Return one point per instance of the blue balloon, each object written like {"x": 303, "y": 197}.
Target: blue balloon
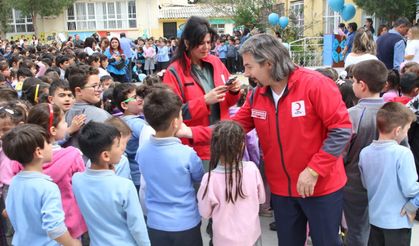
{"x": 283, "y": 22}
{"x": 273, "y": 19}
{"x": 348, "y": 11}
{"x": 179, "y": 33}
{"x": 336, "y": 5}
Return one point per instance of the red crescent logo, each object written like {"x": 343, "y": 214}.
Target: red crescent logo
{"x": 299, "y": 106}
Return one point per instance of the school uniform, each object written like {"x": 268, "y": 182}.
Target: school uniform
{"x": 110, "y": 207}
{"x": 34, "y": 208}
{"x": 170, "y": 169}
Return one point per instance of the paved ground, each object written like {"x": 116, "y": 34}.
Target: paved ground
{"x": 269, "y": 237}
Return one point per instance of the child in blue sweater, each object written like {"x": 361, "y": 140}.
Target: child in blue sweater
{"x": 109, "y": 203}
{"x": 33, "y": 203}
{"x": 389, "y": 175}
{"x": 170, "y": 169}
{"x": 126, "y": 99}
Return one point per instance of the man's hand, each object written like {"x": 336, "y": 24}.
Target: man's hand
{"x": 306, "y": 182}
{"x": 184, "y": 132}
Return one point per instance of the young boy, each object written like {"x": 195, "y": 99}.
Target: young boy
{"x": 369, "y": 79}
{"x": 33, "y": 203}
{"x": 169, "y": 169}
{"x": 86, "y": 88}
{"x": 109, "y": 203}
{"x": 131, "y": 105}
{"x": 388, "y": 173}
{"x": 409, "y": 84}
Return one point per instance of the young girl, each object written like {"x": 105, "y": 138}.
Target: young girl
{"x": 65, "y": 162}
{"x": 231, "y": 192}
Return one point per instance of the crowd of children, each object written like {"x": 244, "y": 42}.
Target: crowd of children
{"x": 85, "y": 159}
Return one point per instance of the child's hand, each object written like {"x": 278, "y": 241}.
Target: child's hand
{"x": 410, "y": 210}
{"x": 76, "y": 123}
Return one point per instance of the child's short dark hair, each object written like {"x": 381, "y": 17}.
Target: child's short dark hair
{"x": 120, "y": 94}
{"x": 105, "y": 77}
{"x": 7, "y": 94}
{"x": 78, "y": 76}
{"x": 24, "y": 72}
{"x": 122, "y": 127}
{"x": 329, "y": 72}
{"x": 408, "y": 82}
{"x": 61, "y": 59}
{"x": 373, "y": 73}
{"x": 393, "y": 79}
{"x": 160, "y": 107}
{"x": 95, "y": 138}
{"x": 58, "y": 84}
{"x": 20, "y": 143}
{"x": 392, "y": 115}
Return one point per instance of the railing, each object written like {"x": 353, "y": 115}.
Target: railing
{"x": 307, "y": 52}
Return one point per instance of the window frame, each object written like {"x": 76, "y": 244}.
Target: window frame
{"x": 25, "y": 21}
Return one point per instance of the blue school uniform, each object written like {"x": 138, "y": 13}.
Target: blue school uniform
{"x": 170, "y": 169}
{"x": 34, "y": 207}
{"x": 111, "y": 208}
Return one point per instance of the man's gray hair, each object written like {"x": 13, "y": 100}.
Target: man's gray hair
{"x": 402, "y": 21}
{"x": 265, "y": 47}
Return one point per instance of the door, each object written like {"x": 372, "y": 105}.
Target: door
{"x": 169, "y": 29}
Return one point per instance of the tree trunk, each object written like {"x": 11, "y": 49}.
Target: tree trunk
{"x": 34, "y": 23}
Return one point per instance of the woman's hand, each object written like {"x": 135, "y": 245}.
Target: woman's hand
{"x": 216, "y": 95}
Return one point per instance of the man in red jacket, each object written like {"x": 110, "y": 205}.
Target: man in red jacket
{"x": 303, "y": 128}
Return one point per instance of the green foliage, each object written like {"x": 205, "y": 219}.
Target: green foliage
{"x": 4, "y": 16}
{"x": 40, "y": 7}
{"x": 389, "y": 9}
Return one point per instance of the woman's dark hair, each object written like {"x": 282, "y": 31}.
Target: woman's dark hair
{"x": 111, "y": 50}
{"x": 88, "y": 42}
{"x": 40, "y": 115}
{"x": 381, "y": 29}
{"x": 227, "y": 145}
{"x": 195, "y": 30}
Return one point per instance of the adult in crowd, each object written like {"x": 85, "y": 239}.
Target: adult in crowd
{"x": 304, "y": 166}
{"x": 90, "y": 46}
{"x": 199, "y": 78}
{"x": 117, "y": 61}
{"x": 352, "y": 28}
{"x": 391, "y": 46}
{"x": 127, "y": 47}
{"x": 382, "y": 29}
{"x": 412, "y": 47}
{"x": 369, "y": 25}
{"x": 363, "y": 48}
{"x": 104, "y": 44}
{"x": 78, "y": 43}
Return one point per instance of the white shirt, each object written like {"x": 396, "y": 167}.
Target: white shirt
{"x": 277, "y": 96}
{"x": 412, "y": 48}
{"x": 353, "y": 58}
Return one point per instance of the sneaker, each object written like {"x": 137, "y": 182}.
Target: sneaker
{"x": 272, "y": 226}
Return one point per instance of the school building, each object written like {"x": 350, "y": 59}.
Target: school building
{"x": 164, "y": 17}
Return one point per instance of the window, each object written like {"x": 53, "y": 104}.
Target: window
{"x": 102, "y": 15}
{"x": 297, "y": 9}
{"x": 219, "y": 28}
{"x": 331, "y": 20}
{"x": 20, "y": 23}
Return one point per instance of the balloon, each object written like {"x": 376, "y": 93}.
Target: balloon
{"x": 273, "y": 19}
{"x": 283, "y": 22}
{"x": 348, "y": 12}
{"x": 179, "y": 33}
{"x": 336, "y": 5}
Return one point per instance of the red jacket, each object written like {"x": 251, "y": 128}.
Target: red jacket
{"x": 311, "y": 128}
{"x": 195, "y": 111}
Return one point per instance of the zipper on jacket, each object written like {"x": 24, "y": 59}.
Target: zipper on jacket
{"x": 280, "y": 149}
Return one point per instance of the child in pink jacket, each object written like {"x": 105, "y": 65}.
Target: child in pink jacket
{"x": 231, "y": 192}
{"x": 65, "y": 162}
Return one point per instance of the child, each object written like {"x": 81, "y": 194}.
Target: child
{"x": 137, "y": 70}
{"x": 103, "y": 65}
{"x": 64, "y": 164}
{"x": 369, "y": 78}
{"x": 409, "y": 84}
{"x": 389, "y": 175}
{"x": 107, "y": 82}
{"x": 33, "y": 204}
{"x": 86, "y": 88}
{"x": 122, "y": 169}
{"x": 126, "y": 99}
{"x": 169, "y": 169}
{"x": 60, "y": 95}
{"x": 391, "y": 89}
{"x": 231, "y": 192}
{"x": 109, "y": 203}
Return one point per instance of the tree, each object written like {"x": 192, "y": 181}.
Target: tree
{"x": 389, "y": 9}
{"x": 34, "y": 8}
{"x": 4, "y": 17}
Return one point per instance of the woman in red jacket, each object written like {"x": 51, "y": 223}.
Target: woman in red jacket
{"x": 199, "y": 79}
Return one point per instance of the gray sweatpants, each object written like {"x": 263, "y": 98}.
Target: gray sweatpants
{"x": 355, "y": 208}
